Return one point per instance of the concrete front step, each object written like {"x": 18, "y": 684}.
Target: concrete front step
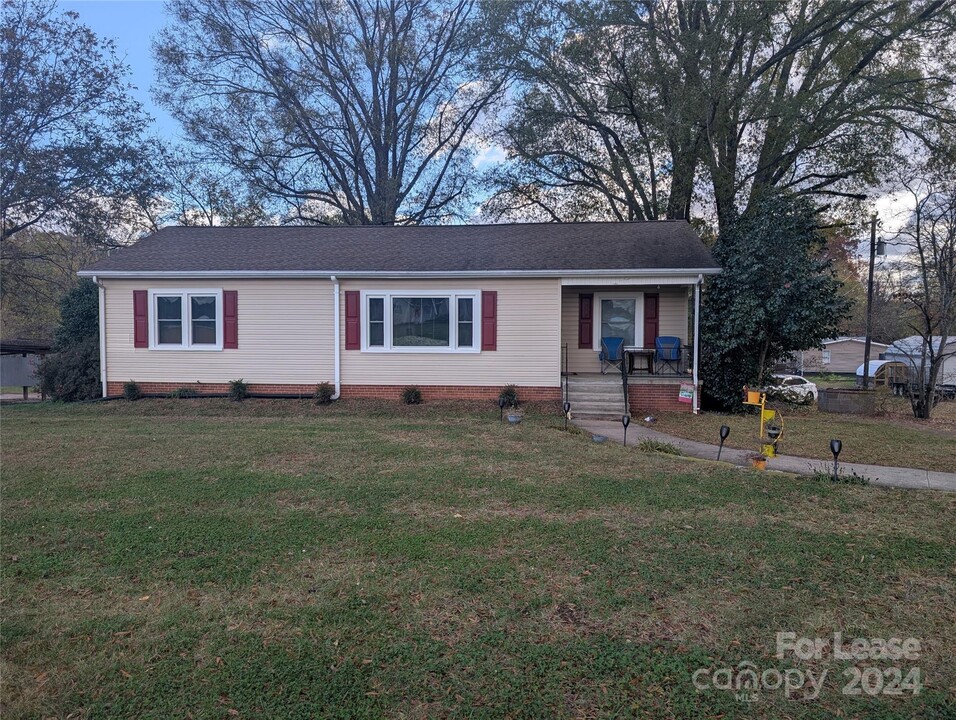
{"x": 597, "y": 407}
{"x": 597, "y": 390}
{"x": 596, "y": 415}
{"x": 596, "y": 396}
{"x": 582, "y": 396}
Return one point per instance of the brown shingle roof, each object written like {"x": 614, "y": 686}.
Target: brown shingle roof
{"x": 663, "y": 245}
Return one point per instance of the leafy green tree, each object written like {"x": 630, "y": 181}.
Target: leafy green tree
{"x": 777, "y": 294}
{"x": 74, "y": 153}
{"x": 72, "y": 371}
{"x": 643, "y": 106}
{"x": 79, "y": 315}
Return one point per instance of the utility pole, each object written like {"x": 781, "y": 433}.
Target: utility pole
{"x": 869, "y": 306}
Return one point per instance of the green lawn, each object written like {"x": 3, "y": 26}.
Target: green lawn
{"x": 892, "y": 437}
{"x": 200, "y": 558}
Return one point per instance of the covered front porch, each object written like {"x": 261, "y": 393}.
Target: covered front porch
{"x": 639, "y": 338}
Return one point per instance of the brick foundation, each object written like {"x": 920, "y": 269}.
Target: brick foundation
{"x": 383, "y": 392}
{"x": 451, "y": 392}
{"x": 656, "y": 397}
{"x": 164, "y": 388}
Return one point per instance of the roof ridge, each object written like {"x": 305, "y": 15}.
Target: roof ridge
{"x": 421, "y": 227}
{"x": 500, "y": 247}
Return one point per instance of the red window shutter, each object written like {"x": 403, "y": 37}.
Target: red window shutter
{"x": 585, "y": 320}
{"x": 651, "y": 318}
{"x": 230, "y": 319}
{"x": 353, "y": 320}
{"x": 140, "y": 319}
{"x": 489, "y": 319}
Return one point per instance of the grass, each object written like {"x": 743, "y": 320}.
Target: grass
{"x": 201, "y": 558}
{"x": 893, "y": 437}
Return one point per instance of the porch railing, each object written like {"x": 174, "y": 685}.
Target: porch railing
{"x": 627, "y": 409}
{"x": 677, "y": 368}
{"x": 564, "y": 372}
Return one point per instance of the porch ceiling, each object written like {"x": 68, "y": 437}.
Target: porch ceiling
{"x": 632, "y": 280}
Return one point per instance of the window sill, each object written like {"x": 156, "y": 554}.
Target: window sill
{"x": 426, "y": 350}
{"x": 185, "y": 348}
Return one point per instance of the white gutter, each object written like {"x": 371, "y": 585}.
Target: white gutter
{"x": 102, "y": 321}
{"x": 337, "y": 345}
{"x": 700, "y": 279}
{"x": 643, "y": 272}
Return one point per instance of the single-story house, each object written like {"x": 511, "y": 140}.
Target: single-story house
{"x": 460, "y": 311}
{"x": 841, "y": 355}
{"x": 910, "y": 350}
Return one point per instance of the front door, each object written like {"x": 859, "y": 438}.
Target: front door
{"x": 619, "y": 319}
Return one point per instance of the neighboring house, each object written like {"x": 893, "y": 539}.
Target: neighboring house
{"x": 910, "y": 351}
{"x": 459, "y": 311}
{"x": 842, "y": 355}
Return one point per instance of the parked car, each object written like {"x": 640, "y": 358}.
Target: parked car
{"x": 793, "y": 387}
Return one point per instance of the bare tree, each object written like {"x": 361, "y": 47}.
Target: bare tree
{"x": 359, "y": 107}
{"x": 37, "y": 269}
{"x": 198, "y": 192}
{"x": 604, "y": 126}
{"x": 927, "y": 280}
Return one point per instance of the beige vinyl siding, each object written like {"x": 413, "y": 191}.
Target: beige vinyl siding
{"x": 845, "y": 357}
{"x": 528, "y": 339}
{"x": 673, "y": 310}
{"x": 812, "y": 362}
{"x": 285, "y": 335}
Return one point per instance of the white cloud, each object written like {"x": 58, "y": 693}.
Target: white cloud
{"x": 489, "y": 155}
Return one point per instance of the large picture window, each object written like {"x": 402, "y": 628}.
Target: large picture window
{"x": 186, "y": 319}
{"x": 405, "y": 322}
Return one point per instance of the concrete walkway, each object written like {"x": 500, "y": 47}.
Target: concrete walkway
{"x": 876, "y": 474}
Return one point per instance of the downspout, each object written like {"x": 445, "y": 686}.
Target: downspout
{"x": 700, "y": 280}
{"x": 102, "y": 321}
{"x": 337, "y": 345}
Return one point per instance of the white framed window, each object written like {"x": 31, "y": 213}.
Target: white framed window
{"x": 185, "y": 319}
{"x": 826, "y": 357}
{"x": 421, "y": 322}
{"x": 619, "y": 314}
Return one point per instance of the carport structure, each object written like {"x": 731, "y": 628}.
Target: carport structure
{"x": 18, "y": 361}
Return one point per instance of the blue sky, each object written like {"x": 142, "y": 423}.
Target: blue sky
{"x": 132, "y": 24}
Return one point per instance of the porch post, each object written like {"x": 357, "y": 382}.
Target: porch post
{"x": 700, "y": 279}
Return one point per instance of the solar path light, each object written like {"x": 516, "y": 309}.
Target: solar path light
{"x": 724, "y": 432}
{"x": 835, "y": 447}
{"x": 625, "y": 421}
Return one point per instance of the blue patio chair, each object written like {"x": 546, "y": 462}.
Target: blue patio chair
{"x": 612, "y": 353}
{"x": 667, "y": 351}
